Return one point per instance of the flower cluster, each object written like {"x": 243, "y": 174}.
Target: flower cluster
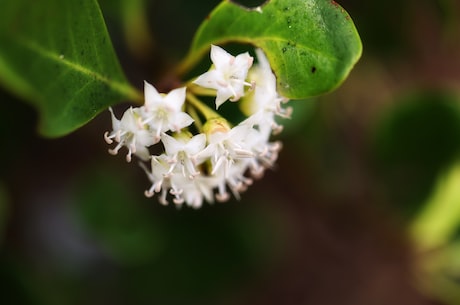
{"x": 205, "y": 157}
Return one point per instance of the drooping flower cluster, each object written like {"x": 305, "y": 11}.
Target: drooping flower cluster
{"x": 208, "y": 160}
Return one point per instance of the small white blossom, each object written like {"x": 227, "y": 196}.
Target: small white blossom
{"x": 229, "y": 154}
{"x": 193, "y": 191}
{"x": 228, "y": 76}
{"x": 264, "y": 102}
{"x": 234, "y": 179}
{"x": 265, "y": 152}
{"x": 164, "y": 112}
{"x": 131, "y": 133}
{"x": 158, "y": 176}
{"x": 181, "y": 152}
{"x": 225, "y": 147}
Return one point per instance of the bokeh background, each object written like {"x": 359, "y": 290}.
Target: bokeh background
{"x": 363, "y": 207}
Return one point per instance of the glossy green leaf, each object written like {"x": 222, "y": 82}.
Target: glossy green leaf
{"x": 311, "y": 44}
{"x": 58, "y": 56}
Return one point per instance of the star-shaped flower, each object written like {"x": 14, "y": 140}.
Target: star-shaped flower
{"x": 192, "y": 191}
{"x": 225, "y": 148}
{"x": 130, "y": 133}
{"x": 157, "y": 174}
{"x": 264, "y": 102}
{"x": 163, "y": 112}
{"x": 181, "y": 152}
{"x": 228, "y": 75}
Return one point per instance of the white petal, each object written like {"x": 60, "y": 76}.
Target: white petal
{"x": 151, "y": 95}
{"x": 142, "y": 152}
{"x": 196, "y": 144}
{"x": 175, "y": 99}
{"x": 180, "y": 120}
{"x": 242, "y": 64}
{"x": 144, "y": 138}
{"x": 222, "y": 96}
{"x": 172, "y": 146}
{"x": 209, "y": 79}
{"x": 262, "y": 60}
{"x": 220, "y": 58}
{"x": 129, "y": 122}
{"x": 115, "y": 122}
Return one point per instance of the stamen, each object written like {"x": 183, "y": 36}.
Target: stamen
{"x": 176, "y": 192}
{"x": 257, "y": 172}
{"x": 178, "y": 200}
{"x": 217, "y": 165}
{"x": 132, "y": 150}
{"x": 118, "y": 136}
{"x": 158, "y": 186}
{"x": 128, "y": 156}
{"x": 247, "y": 181}
{"x": 242, "y": 188}
{"x": 243, "y": 153}
{"x": 222, "y": 197}
{"x": 276, "y": 146}
{"x": 162, "y": 198}
{"x": 149, "y": 193}
{"x": 116, "y": 149}
{"x": 108, "y": 138}
{"x": 277, "y": 129}
{"x": 284, "y": 112}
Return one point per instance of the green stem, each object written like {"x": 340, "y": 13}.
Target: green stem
{"x": 196, "y": 117}
{"x": 207, "y": 112}
{"x": 198, "y": 90}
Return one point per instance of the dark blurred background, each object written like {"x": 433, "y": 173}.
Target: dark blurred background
{"x": 329, "y": 225}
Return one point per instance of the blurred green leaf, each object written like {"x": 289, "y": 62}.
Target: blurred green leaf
{"x": 438, "y": 222}
{"x": 441, "y": 269}
{"x": 416, "y": 140}
{"x": 311, "y": 44}
{"x": 112, "y": 212}
{"x": 136, "y": 29}
{"x": 58, "y": 56}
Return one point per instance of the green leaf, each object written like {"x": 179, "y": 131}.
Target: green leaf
{"x": 58, "y": 56}
{"x": 311, "y": 44}
{"x": 438, "y": 223}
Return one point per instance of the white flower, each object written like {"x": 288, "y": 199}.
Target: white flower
{"x": 264, "y": 102}
{"x": 193, "y": 191}
{"x": 131, "y": 133}
{"x": 225, "y": 147}
{"x": 234, "y": 179}
{"x": 228, "y": 75}
{"x": 265, "y": 153}
{"x": 158, "y": 176}
{"x": 164, "y": 112}
{"x": 181, "y": 152}
{"x": 229, "y": 155}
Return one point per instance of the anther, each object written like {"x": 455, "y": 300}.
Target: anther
{"x": 222, "y": 197}
{"x": 107, "y": 138}
{"x": 148, "y": 193}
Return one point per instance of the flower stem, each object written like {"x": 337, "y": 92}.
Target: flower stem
{"x": 207, "y": 112}
{"x": 198, "y": 90}
{"x": 195, "y": 116}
